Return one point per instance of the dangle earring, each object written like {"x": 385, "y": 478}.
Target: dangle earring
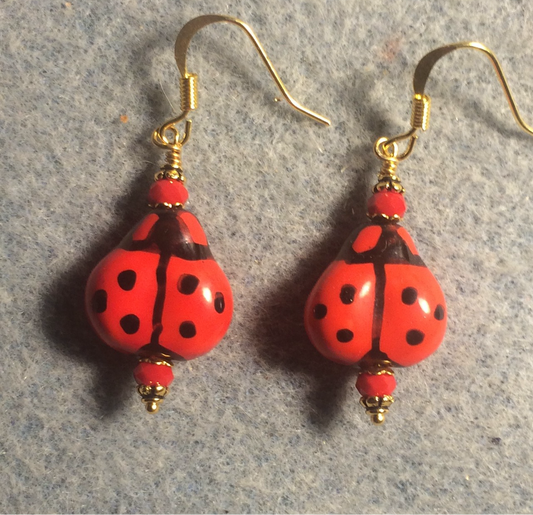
{"x": 160, "y": 294}
{"x": 377, "y": 305}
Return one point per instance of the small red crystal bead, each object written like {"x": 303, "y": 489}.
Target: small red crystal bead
{"x": 385, "y": 202}
{"x": 167, "y": 191}
{"x": 371, "y": 385}
{"x": 150, "y": 374}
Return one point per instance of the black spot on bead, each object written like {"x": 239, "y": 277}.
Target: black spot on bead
{"x": 130, "y": 324}
{"x": 320, "y": 311}
{"x": 347, "y": 294}
{"x": 126, "y": 279}
{"x": 99, "y": 302}
{"x": 415, "y": 337}
{"x": 409, "y": 295}
{"x": 220, "y": 304}
{"x": 344, "y": 335}
{"x": 439, "y": 312}
{"x": 187, "y": 284}
{"x": 187, "y": 330}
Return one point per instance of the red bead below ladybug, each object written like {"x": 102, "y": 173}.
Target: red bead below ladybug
{"x": 378, "y": 306}
{"x": 160, "y": 295}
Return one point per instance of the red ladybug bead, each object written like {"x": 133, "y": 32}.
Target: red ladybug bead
{"x": 377, "y": 301}
{"x": 376, "y": 305}
{"x": 160, "y": 294}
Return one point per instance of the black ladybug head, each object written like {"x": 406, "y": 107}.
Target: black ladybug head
{"x": 168, "y": 236}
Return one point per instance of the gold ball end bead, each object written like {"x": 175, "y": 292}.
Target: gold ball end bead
{"x": 152, "y": 396}
{"x": 377, "y": 407}
{"x": 377, "y": 419}
{"x": 152, "y": 407}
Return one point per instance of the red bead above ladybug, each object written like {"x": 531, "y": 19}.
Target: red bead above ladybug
{"x": 377, "y": 305}
{"x": 160, "y": 294}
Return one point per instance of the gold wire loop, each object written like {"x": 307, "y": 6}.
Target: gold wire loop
{"x": 159, "y": 136}
{"x": 388, "y": 178}
{"x": 385, "y": 143}
{"x": 385, "y": 149}
{"x": 419, "y": 120}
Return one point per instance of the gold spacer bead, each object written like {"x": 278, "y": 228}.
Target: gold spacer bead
{"x": 384, "y": 219}
{"x": 166, "y": 205}
{"x": 157, "y": 360}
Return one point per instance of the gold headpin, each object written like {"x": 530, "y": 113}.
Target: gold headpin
{"x": 387, "y": 149}
{"x": 167, "y": 136}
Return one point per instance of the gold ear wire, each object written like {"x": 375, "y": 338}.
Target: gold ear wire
{"x": 189, "y": 86}
{"x": 192, "y": 27}
{"x": 387, "y": 148}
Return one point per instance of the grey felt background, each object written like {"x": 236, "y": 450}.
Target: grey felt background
{"x": 263, "y": 423}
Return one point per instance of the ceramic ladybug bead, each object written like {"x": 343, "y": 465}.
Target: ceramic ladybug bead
{"x": 160, "y": 295}
{"x": 377, "y": 305}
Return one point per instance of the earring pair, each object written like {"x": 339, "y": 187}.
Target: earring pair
{"x": 161, "y": 296}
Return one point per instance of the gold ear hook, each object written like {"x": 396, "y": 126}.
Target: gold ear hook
{"x": 192, "y": 27}
{"x": 188, "y": 81}
{"x": 387, "y": 148}
{"x": 422, "y": 102}
{"x": 189, "y": 93}
{"x": 428, "y": 61}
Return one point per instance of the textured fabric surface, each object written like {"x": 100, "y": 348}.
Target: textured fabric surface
{"x": 263, "y": 423}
